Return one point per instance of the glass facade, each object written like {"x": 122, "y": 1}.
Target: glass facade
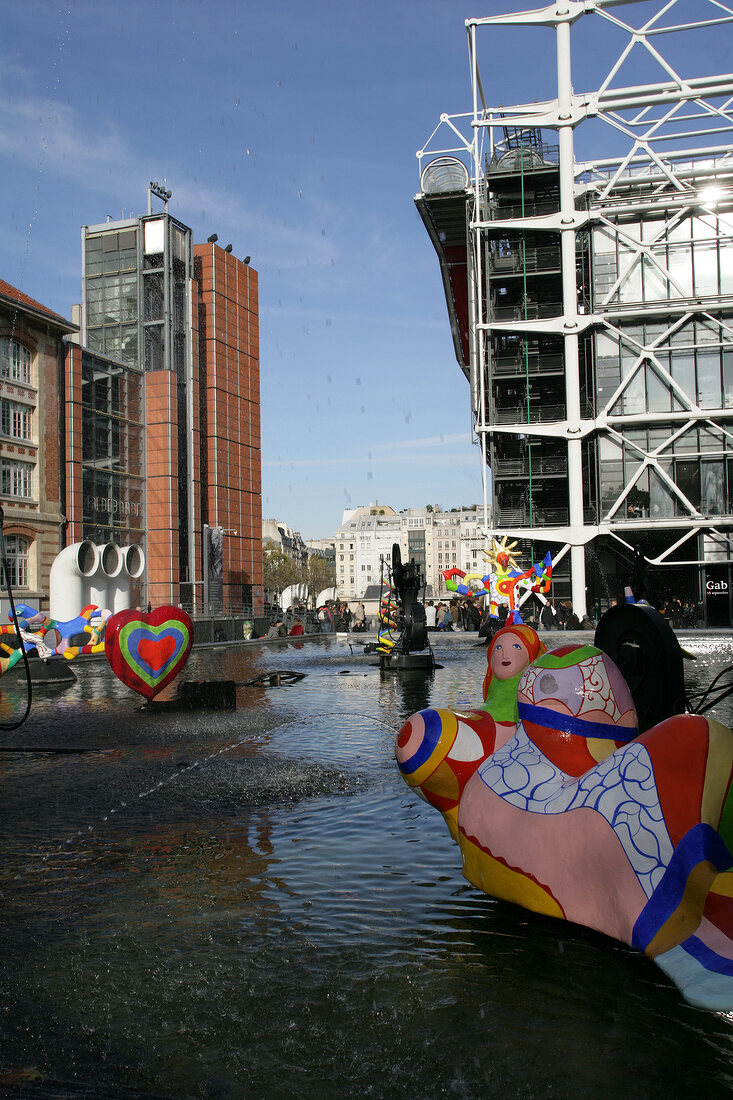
{"x": 665, "y": 383}
{"x": 111, "y": 294}
{"x": 663, "y": 453}
{"x": 112, "y": 481}
{"x": 137, "y": 292}
{"x": 652, "y": 260}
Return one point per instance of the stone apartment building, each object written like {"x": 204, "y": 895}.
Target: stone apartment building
{"x": 437, "y": 540}
{"x": 32, "y": 442}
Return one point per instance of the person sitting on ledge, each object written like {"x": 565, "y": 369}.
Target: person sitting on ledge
{"x": 572, "y": 622}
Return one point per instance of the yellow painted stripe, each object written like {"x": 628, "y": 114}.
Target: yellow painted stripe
{"x": 444, "y": 744}
{"x": 501, "y": 881}
{"x": 723, "y": 885}
{"x": 683, "y": 921}
{"x": 717, "y": 772}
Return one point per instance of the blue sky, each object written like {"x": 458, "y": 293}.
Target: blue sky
{"x": 290, "y": 130}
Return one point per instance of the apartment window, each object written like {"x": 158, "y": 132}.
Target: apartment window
{"x": 15, "y": 420}
{"x": 16, "y": 552}
{"x": 16, "y": 478}
{"x": 15, "y": 361}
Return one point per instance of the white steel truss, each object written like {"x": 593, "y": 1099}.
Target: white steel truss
{"x": 616, "y": 271}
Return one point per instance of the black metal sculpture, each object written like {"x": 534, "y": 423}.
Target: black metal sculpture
{"x": 412, "y": 648}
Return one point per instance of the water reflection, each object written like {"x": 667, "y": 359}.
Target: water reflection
{"x": 411, "y": 687}
{"x": 252, "y": 903}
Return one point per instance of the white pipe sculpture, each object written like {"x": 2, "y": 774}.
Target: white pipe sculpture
{"x": 85, "y": 573}
{"x": 69, "y": 580}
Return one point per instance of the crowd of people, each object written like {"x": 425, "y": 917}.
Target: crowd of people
{"x": 561, "y": 617}
{"x": 454, "y": 615}
{"x": 337, "y": 616}
{"x": 682, "y": 615}
{"x": 334, "y": 616}
{"x": 457, "y": 614}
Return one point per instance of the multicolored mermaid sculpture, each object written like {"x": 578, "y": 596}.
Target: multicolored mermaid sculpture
{"x": 566, "y": 811}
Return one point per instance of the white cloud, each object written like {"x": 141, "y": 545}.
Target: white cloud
{"x": 41, "y": 137}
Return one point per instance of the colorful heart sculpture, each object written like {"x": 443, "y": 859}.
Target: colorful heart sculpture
{"x": 147, "y": 649}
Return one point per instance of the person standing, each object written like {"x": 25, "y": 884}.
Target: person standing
{"x": 430, "y": 615}
{"x": 471, "y": 614}
{"x": 548, "y": 616}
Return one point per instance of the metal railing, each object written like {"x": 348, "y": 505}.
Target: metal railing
{"x": 541, "y": 466}
{"x": 514, "y": 211}
{"x": 538, "y": 414}
{"x": 533, "y": 259}
{"x": 541, "y": 517}
{"x": 534, "y": 363}
{"x": 529, "y": 311}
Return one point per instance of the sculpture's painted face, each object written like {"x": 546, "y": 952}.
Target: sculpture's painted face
{"x": 502, "y": 560}
{"x": 508, "y": 657}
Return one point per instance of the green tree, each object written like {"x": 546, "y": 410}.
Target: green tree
{"x": 319, "y": 574}
{"x": 278, "y": 570}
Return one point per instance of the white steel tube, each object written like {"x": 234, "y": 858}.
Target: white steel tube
{"x": 570, "y": 312}
{"x": 109, "y": 566}
{"x": 133, "y": 567}
{"x": 70, "y": 573}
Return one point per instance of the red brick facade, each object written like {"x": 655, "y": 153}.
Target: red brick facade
{"x": 161, "y": 444}
{"x": 74, "y": 445}
{"x": 231, "y": 482}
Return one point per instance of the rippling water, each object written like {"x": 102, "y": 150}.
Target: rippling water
{"x": 253, "y": 904}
